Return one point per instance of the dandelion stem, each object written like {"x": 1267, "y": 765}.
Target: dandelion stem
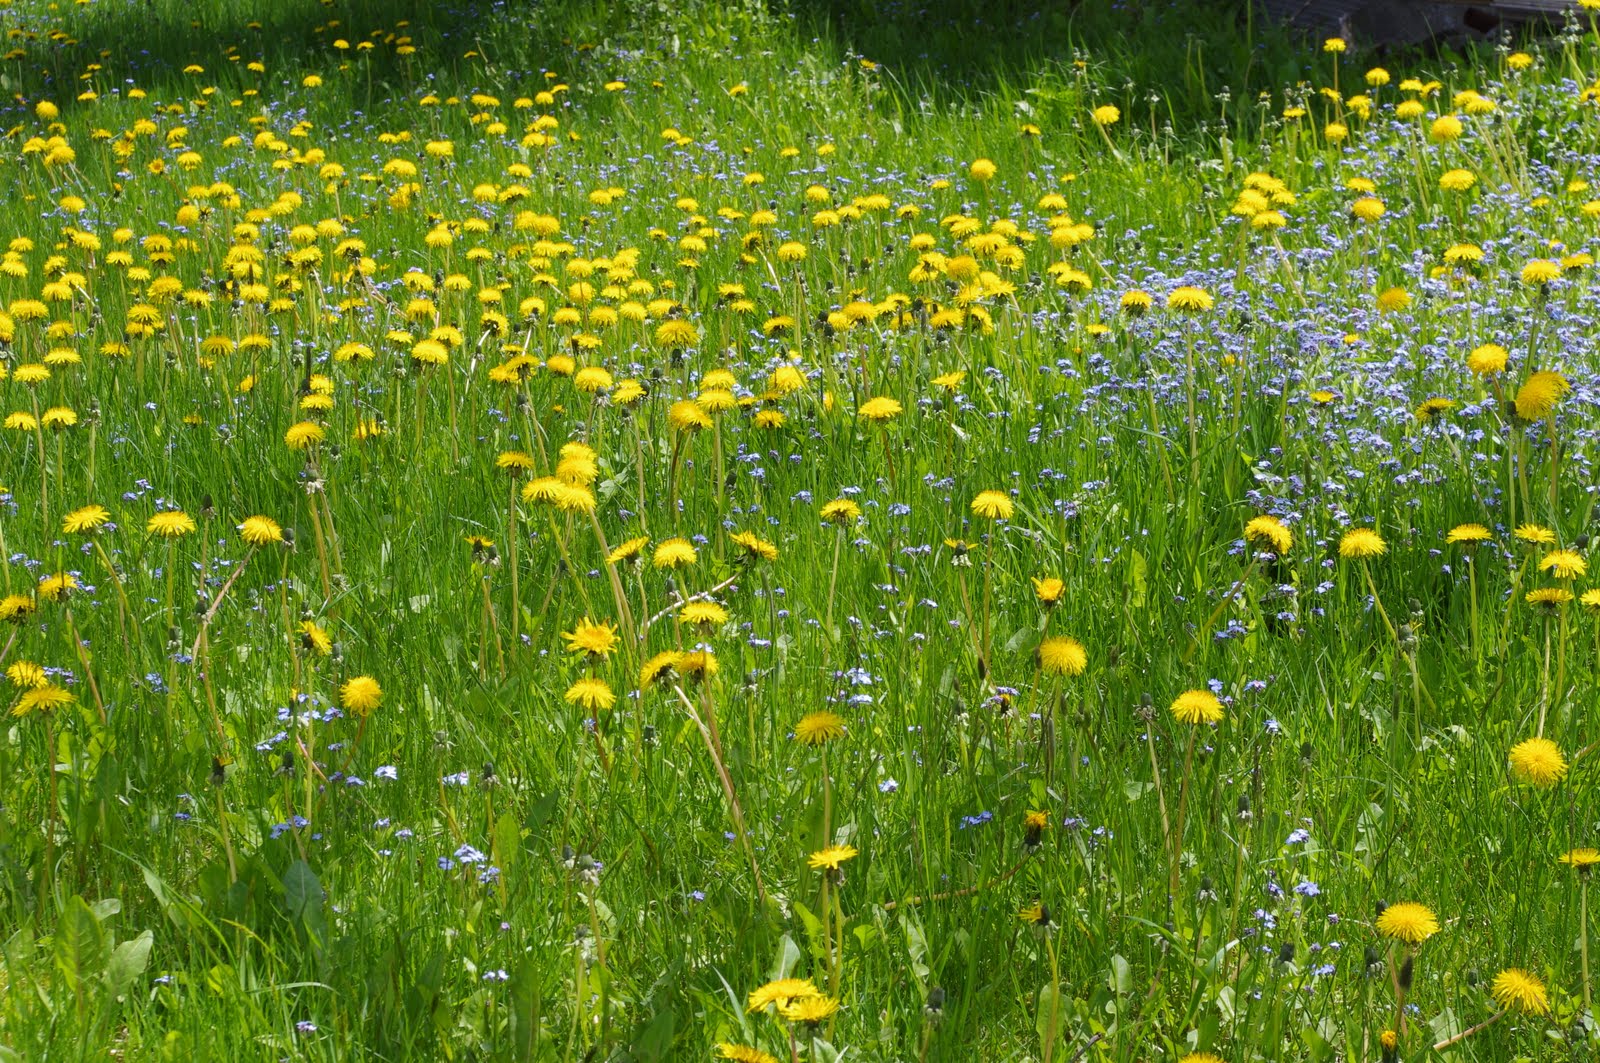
{"x": 1161, "y": 799}
{"x": 216, "y": 603}
{"x": 48, "y": 871}
{"x": 1183, "y": 800}
{"x": 1205, "y": 629}
{"x": 1464, "y": 1034}
{"x": 516, "y": 569}
{"x": 713, "y": 746}
{"x": 1544, "y": 681}
{"x": 1583, "y": 941}
{"x": 833, "y": 583}
{"x": 1049, "y": 1046}
{"x": 227, "y": 842}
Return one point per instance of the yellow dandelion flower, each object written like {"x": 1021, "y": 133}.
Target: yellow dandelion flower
{"x": 260, "y": 531}
{"x": 1517, "y": 990}
{"x": 1538, "y": 762}
{"x": 1196, "y": 706}
{"x": 85, "y": 519}
{"x": 819, "y": 728}
{"x": 1564, "y": 564}
{"x": 1540, "y": 393}
{"x": 591, "y": 693}
{"x": 592, "y": 639}
{"x": 781, "y": 992}
{"x": 170, "y": 524}
{"x": 1409, "y": 922}
{"x": 674, "y": 553}
{"x": 1062, "y": 655}
{"x": 993, "y": 505}
{"x": 1267, "y": 530}
{"x": 1362, "y": 543}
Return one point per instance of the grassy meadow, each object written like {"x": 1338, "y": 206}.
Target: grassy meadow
{"x": 779, "y": 531}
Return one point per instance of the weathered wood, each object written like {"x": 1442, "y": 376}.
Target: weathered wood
{"x": 1408, "y": 21}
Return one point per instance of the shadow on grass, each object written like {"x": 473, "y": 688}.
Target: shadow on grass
{"x": 939, "y": 51}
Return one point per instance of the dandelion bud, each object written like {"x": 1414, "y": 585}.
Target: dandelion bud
{"x": 1581, "y": 543}
{"x": 1286, "y": 952}
{"x": 1407, "y": 969}
{"x": 1244, "y": 808}
{"x": 288, "y": 538}
{"x": 1371, "y": 960}
{"x": 1305, "y": 752}
{"x": 935, "y": 1002}
{"x": 1472, "y": 976}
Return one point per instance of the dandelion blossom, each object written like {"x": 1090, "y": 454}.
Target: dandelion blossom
{"x": 674, "y": 553}
{"x": 781, "y": 992}
{"x": 628, "y": 550}
{"x": 1582, "y": 859}
{"x": 1362, "y": 543}
{"x": 819, "y": 728}
{"x": 47, "y": 698}
{"x": 1049, "y": 590}
{"x": 1269, "y": 531}
{"x": 659, "y": 668}
{"x": 1190, "y": 299}
{"x": 260, "y": 531}
{"x": 879, "y": 410}
{"x": 993, "y": 505}
{"x": 841, "y": 511}
{"x": 1062, "y": 655}
{"x": 703, "y": 614}
{"x": 831, "y": 858}
{"x": 754, "y": 547}
{"x": 56, "y": 588}
{"x": 361, "y": 695}
{"x": 1538, "y": 762}
{"x": 1409, "y": 922}
{"x": 1535, "y": 534}
{"x": 1549, "y": 599}
{"x": 743, "y": 1054}
{"x": 1539, "y": 394}
{"x": 591, "y": 639}
{"x": 1468, "y": 534}
{"x": 592, "y": 693}
{"x": 86, "y": 519}
{"x": 1488, "y": 359}
{"x": 170, "y": 524}
{"x": 1564, "y": 564}
{"x": 1197, "y": 706}
{"x": 1517, "y": 990}
{"x": 810, "y": 1010}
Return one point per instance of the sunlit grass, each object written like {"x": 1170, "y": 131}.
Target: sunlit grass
{"x": 607, "y": 532}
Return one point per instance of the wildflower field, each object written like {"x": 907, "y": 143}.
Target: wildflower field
{"x": 794, "y": 531}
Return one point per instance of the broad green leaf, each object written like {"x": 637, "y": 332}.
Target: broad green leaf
{"x": 788, "y": 956}
{"x": 80, "y": 945}
{"x": 1121, "y": 975}
{"x": 128, "y": 961}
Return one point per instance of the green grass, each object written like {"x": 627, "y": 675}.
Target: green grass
{"x": 160, "y": 899}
